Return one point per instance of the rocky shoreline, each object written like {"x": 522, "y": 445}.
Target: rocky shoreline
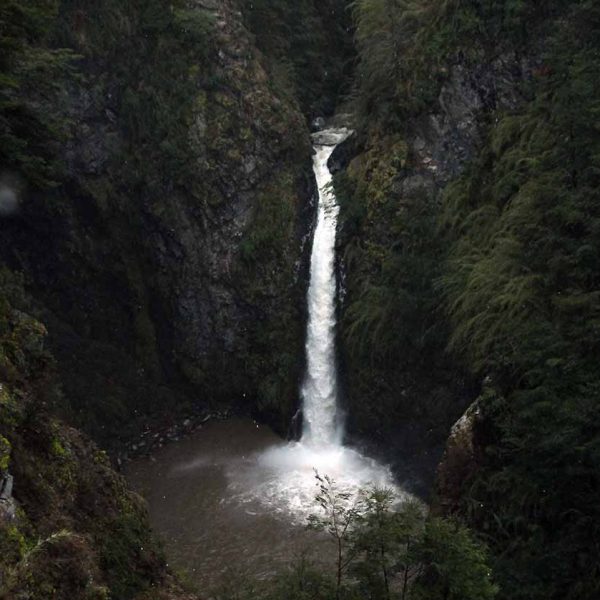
{"x": 155, "y": 435}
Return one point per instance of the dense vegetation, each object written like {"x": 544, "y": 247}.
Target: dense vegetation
{"x": 392, "y": 336}
{"x": 29, "y": 72}
{"x": 523, "y": 295}
{"x": 310, "y": 48}
{"x": 495, "y": 276}
{"x": 382, "y": 548}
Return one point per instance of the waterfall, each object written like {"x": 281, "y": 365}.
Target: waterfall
{"x": 319, "y": 390}
{"x": 284, "y": 475}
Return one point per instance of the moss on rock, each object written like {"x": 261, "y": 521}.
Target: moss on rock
{"x": 73, "y": 530}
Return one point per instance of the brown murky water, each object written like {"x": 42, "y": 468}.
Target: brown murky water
{"x": 211, "y": 502}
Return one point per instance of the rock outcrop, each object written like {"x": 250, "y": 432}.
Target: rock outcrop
{"x": 69, "y": 527}
{"x": 447, "y": 138}
{"x": 7, "y": 502}
{"x": 170, "y": 262}
{"x": 459, "y": 462}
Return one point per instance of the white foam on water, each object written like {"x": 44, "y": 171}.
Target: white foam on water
{"x": 282, "y": 479}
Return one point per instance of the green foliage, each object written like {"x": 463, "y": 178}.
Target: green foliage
{"x": 309, "y": 46}
{"x": 398, "y": 552}
{"x": 406, "y": 47}
{"x": 272, "y": 225}
{"x": 395, "y": 283}
{"x": 61, "y": 565}
{"x": 22, "y": 352}
{"x": 389, "y": 58}
{"x": 57, "y": 449}
{"x": 513, "y": 267}
{"x": 30, "y": 75}
{"x": 392, "y": 328}
{"x": 303, "y": 580}
{"x": 386, "y": 544}
{"x": 13, "y": 545}
{"x": 339, "y": 514}
{"x": 5, "y": 449}
{"x": 454, "y": 566}
{"x": 523, "y": 294}
{"x": 126, "y": 556}
{"x": 386, "y": 549}
{"x": 160, "y": 99}
{"x": 265, "y": 266}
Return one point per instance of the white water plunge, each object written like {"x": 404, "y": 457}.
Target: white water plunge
{"x": 283, "y": 477}
{"x": 322, "y": 427}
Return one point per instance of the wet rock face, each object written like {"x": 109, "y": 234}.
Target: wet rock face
{"x": 343, "y": 154}
{"x": 459, "y": 462}
{"x": 317, "y": 124}
{"x": 7, "y": 503}
{"x": 445, "y": 140}
{"x": 158, "y": 286}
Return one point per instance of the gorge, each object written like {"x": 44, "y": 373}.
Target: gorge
{"x": 233, "y": 493}
{"x": 170, "y": 243}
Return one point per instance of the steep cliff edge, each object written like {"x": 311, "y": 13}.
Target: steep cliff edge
{"x": 168, "y": 257}
{"x": 156, "y": 194}
{"x": 469, "y": 238}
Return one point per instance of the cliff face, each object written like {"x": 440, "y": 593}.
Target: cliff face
{"x": 169, "y": 262}
{"x": 425, "y": 105}
{"x": 160, "y": 215}
{"x": 68, "y": 525}
{"x": 391, "y": 250}
{"x": 469, "y": 230}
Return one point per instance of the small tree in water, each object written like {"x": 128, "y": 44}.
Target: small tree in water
{"x": 341, "y": 511}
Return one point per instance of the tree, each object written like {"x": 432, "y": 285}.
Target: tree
{"x": 302, "y": 581}
{"x": 385, "y": 542}
{"x": 340, "y": 512}
{"x": 453, "y": 566}
{"x": 395, "y": 551}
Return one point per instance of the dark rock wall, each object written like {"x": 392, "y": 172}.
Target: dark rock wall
{"x": 170, "y": 268}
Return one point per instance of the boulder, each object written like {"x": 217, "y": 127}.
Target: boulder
{"x": 7, "y": 502}
{"x": 317, "y": 124}
{"x": 344, "y": 153}
{"x": 459, "y": 461}
{"x": 331, "y": 137}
